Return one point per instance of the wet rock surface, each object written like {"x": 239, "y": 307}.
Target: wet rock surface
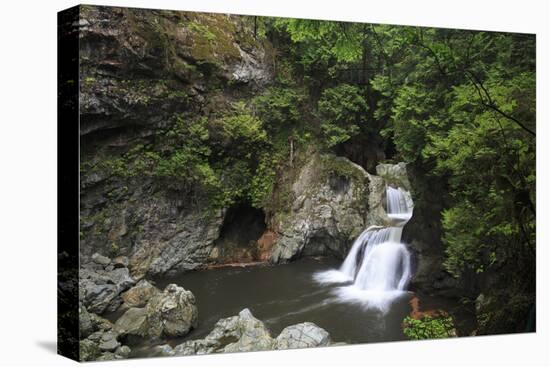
{"x": 101, "y": 284}
{"x": 245, "y": 333}
{"x": 90, "y": 322}
{"x": 139, "y": 295}
{"x": 99, "y": 339}
{"x": 132, "y": 322}
{"x": 329, "y": 210}
{"x": 305, "y": 335}
{"x": 172, "y": 313}
{"x": 140, "y": 69}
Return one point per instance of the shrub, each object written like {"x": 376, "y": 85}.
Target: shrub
{"x": 428, "y": 327}
{"x": 279, "y": 107}
{"x": 342, "y": 110}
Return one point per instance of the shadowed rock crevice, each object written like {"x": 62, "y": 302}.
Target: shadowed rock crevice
{"x": 242, "y": 227}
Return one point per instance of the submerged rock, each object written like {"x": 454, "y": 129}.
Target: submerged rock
{"x": 172, "y": 313}
{"x": 163, "y": 350}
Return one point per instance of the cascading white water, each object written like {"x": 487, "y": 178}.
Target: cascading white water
{"x": 378, "y": 263}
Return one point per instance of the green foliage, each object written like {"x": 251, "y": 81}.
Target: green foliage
{"x": 323, "y": 39}
{"x": 242, "y": 129}
{"x": 201, "y": 29}
{"x": 263, "y": 182}
{"x": 343, "y": 111}
{"x": 428, "y": 327}
{"x": 186, "y": 160}
{"x": 458, "y": 105}
{"x": 341, "y": 168}
{"x": 216, "y": 161}
{"x": 462, "y": 105}
{"x": 279, "y": 107}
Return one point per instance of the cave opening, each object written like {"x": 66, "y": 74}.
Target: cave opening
{"x": 243, "y": 225}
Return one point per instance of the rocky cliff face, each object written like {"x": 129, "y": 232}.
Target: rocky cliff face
{"x": 136, "y": 61}
{"x": 329, "y": 209}
{"x": 140, "y": 68}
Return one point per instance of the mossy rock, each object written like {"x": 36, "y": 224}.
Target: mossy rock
{"x": 89, "y": 350}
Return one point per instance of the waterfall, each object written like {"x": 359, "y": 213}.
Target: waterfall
{"x": 378, "y": 266}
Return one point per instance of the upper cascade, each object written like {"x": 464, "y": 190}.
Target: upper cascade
{"x": 378, "y": 264}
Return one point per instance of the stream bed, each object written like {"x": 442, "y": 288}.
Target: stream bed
{"x": 284, "y": 295}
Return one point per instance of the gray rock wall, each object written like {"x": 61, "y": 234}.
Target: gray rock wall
{"x": 139, "y": 69}
{"x": 330, "y": 206}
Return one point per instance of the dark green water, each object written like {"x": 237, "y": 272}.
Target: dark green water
{"x": 283, "y": 295}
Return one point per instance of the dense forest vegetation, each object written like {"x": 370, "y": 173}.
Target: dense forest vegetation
{"x": 460, "y": 104}
{"x": 457, "y": 106}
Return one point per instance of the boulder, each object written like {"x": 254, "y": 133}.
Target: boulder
{"x": 303, "y": 335}
{"x": 250, "y": 333}
{"x": 241, "y": 333}
{"x": 132, "y": 322}
{"x": 123, "y": 351}
{"x": 100, "y": 289}
{"x": 140, "y": 294}
{"x": 90, "y": 323}
{"x": 481, "y": 303}
{"x": 193, "y": 347}
{"x": 394, "y": 174}
{"x": 245, "y": 333}
{"x": 100, "y": 259}
{"x": 103, "y": 346}
{"x": 107, "y": 356}
{"x": 89, "y": 350}
{"x": 109, "y": 342}
{"x": 85, "y": 322}
{"x": 172, "y": 313}
{"x": 180, "y": 249}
